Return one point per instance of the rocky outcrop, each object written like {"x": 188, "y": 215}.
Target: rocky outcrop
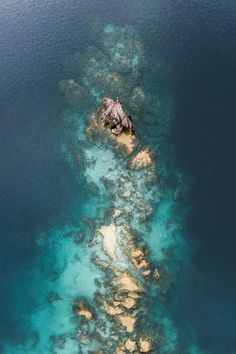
{"x": 113, "y": 115}
{"x": 82, "y": 308}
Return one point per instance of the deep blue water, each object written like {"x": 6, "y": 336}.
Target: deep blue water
{"x": 197, "y": 43}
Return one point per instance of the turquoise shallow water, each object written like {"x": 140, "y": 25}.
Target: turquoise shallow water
{"x": 64, "y": 268}
{"x": 51, "y": 202}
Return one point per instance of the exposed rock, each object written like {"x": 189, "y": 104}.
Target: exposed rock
{"x": 143, "y": 159}
{"x": 113, "y": 115}
{"x": 128, "y": 321}
{"x": 130, "y": 345}
{"x": 129, "y": 302}
{"x": 145, "y": 344}
{"x": 82, "y": 308}
{"x": 138, "y": 258}
{"x": 113, "y": 310}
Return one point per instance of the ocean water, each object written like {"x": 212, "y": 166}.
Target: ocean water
{"x": 52, "y": 196}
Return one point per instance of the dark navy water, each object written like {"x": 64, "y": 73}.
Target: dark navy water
{"x": 196, "y": 43}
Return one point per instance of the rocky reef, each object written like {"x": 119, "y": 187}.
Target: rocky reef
{"x": 124, "y": 170}
{"x": 114, "y": 266}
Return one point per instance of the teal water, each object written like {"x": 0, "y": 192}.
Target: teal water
{"x": 54, "y": 195}
{"x": 64, "y": 268}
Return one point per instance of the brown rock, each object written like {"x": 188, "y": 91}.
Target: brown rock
{"x": 137, "y": 256}
{"x": 127, "y": 321}
{"x": 143, "y": 159}
{"x": 126, "y": 283}
{"x": 130, "y": 345}
{"x": 145, "y": 344}
{"x": 82, "y": 309}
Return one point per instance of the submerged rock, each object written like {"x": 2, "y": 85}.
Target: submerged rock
{"x": 137, "y": 99}
{"x": 75, "y": 95}
{"x": 124, "y": 48}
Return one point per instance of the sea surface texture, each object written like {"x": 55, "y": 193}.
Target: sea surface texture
{"x": 99, "y": 244}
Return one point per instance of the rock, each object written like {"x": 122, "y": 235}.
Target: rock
{"x": 126, "y": 283}
{"x": 137, "y": 257}
{"x": 145, "y": 344}
{"x": 82, "y": 308}
{"x": 156, "y": 274}
{"x": 116, "y": 213}
{"x": 113, "y": 310}
{"x": 137, "y": 100}
{"x": 143, "y": 159}
{"x": 75, "y": 95}
{"x": 128, "y": 321}
{"x": 129, "y": 302}
{"x": 130, "y": 345}
{"x": 126, "y": 194}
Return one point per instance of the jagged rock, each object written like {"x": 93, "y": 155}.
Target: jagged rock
{"x": 138, "y": 258}
{"x": 112, "y": 114}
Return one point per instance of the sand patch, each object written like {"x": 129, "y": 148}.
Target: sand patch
{"x": 127, "y": 141}
{"x": 109, "y": 239}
